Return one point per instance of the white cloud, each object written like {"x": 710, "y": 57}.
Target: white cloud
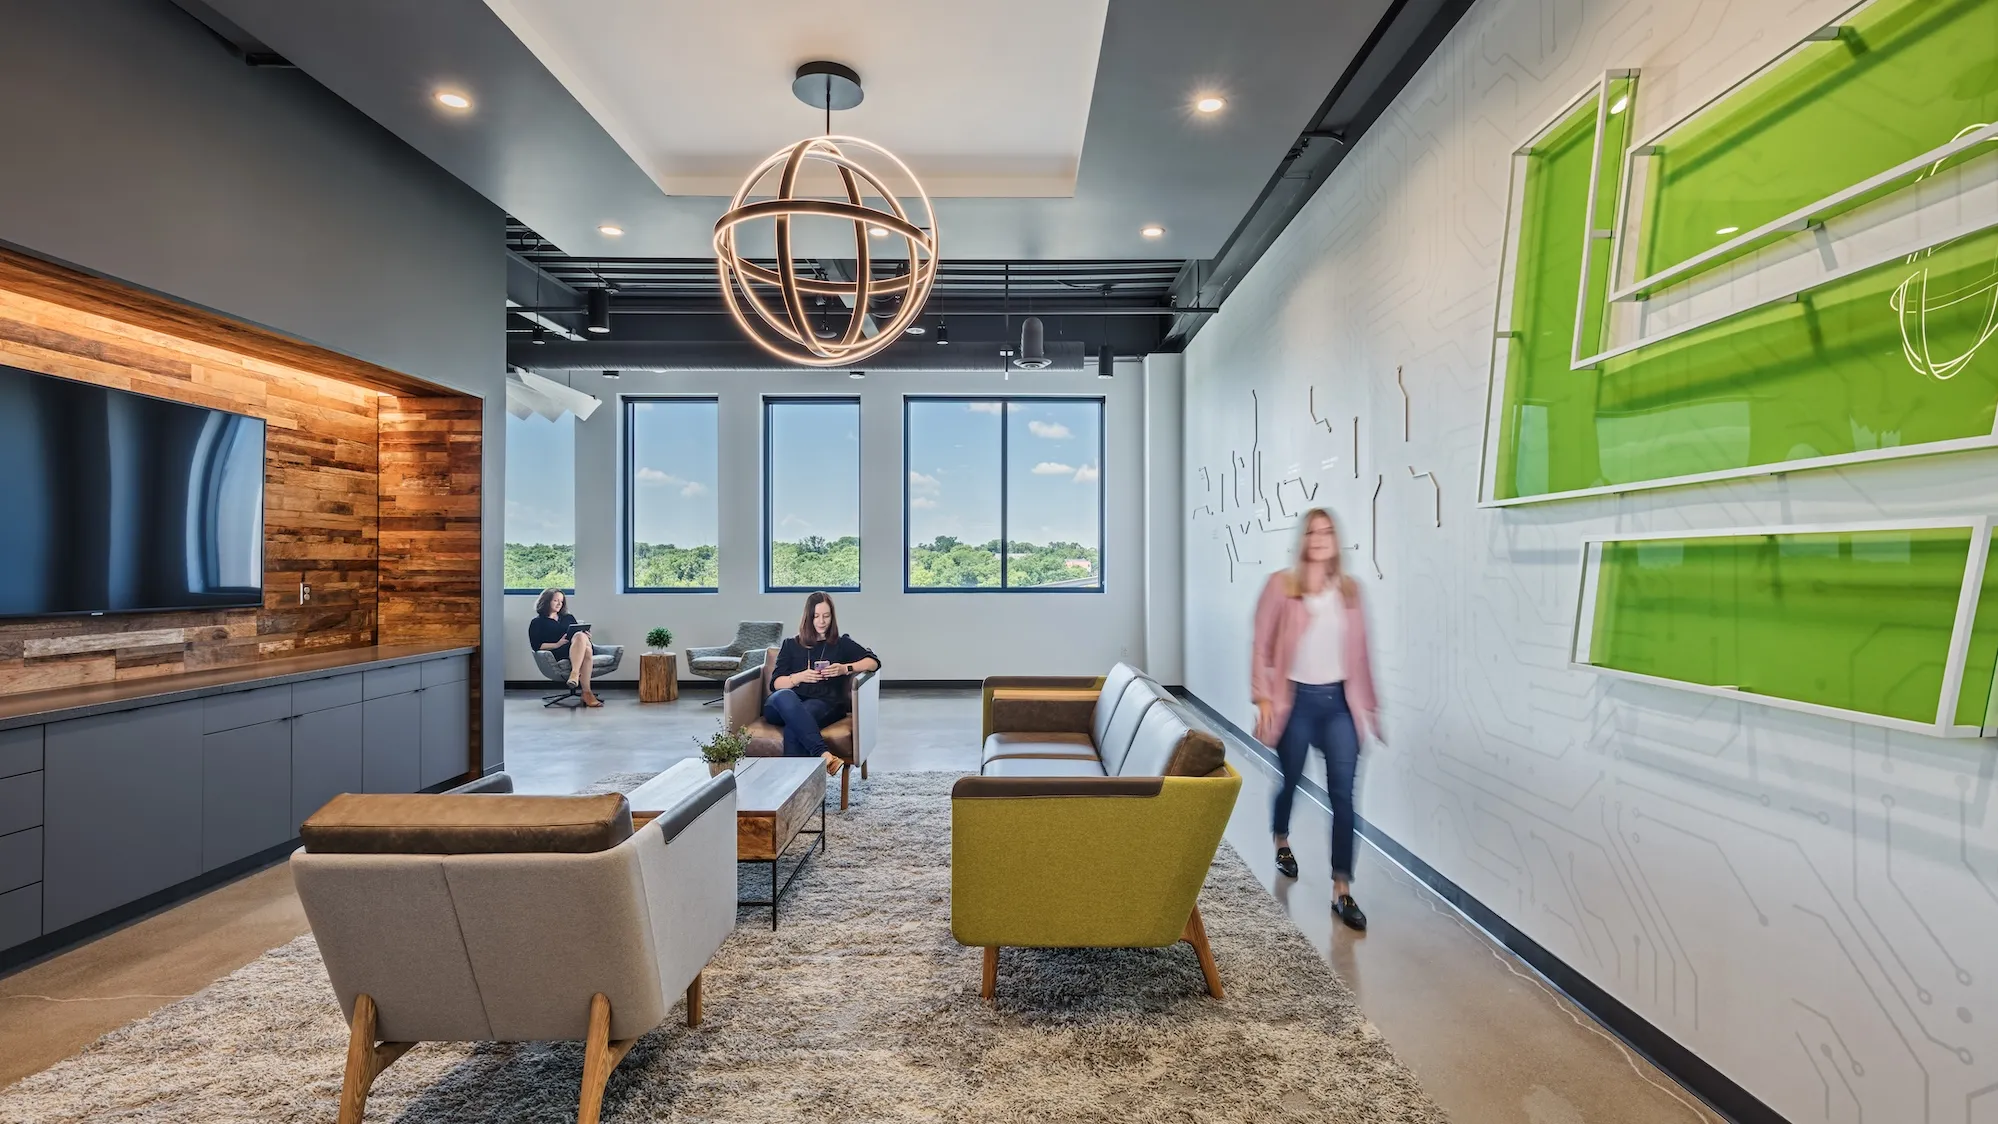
{"x": 1087, "y": 474}
{"x": 922, "y": 503}
{"x": 985, "y": 407}
{"x": 1054, "y": 468}
{"x": 694, "y": 488}
{"x": 654, "y": 476}
{"x": 1052, "y": 431}
{"x": 921, "y": 483}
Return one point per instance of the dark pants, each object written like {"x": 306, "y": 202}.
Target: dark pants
{"x": 801, "y": 719}
{"x": 1318, "y": 716}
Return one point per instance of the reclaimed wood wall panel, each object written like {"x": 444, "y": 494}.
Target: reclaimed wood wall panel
{"x": 429, "y": 518}
{"x": 322, "y": 479}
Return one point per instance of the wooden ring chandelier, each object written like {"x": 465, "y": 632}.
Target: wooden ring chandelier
{"x": 782, "y": 325}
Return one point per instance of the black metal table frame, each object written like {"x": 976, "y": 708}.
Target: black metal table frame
{"x": 776, "y": 891}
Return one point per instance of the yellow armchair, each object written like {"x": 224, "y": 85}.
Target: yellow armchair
{"x": 1085, "y": 862}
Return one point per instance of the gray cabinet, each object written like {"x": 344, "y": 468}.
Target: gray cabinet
{"x": 20, "y": 750}
{"x": 245, "y": 791}
{"x": 392, "y": 742}
{"x": 122, "y": 803}
{"x": 326, "y": 756}
{"x": 446, "y": 734}
{"x": 100, "y": 811}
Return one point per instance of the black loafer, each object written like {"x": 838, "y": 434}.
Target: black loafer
{"x": 1348, "y": 911}
{"x": 1286, "y": 863}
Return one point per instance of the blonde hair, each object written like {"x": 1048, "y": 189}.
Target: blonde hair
{"x": 1335, "y": 570}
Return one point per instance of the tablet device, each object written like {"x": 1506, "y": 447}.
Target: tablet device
{"x": 575, "y": 628}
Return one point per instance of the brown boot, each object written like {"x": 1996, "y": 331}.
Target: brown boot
{"x": 590, "y": 699}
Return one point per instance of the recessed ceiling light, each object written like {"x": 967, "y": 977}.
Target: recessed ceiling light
{"x": 878, "y": 231}
{"x": 1619, "y": 105}
{"x": 914, "y": 330}
{"x": 453, "y": 99}
{"x": 1153, "y": 231}
{"x": 1209, "y": 104}
{"x": 1727, "y": 230}
{"x": 611, "y": 230}
{"x": 856, "y": 374}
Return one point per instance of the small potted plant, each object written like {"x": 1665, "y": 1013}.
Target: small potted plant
{"x": 723, "y": 748}
{"x": 659, "y": 639}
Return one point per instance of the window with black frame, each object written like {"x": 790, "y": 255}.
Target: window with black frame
{"x": 672, "y": 514}
{"x": 541, "y": 504}
{"x": 1003, "y": 494}
{"x": 811, "y": 494}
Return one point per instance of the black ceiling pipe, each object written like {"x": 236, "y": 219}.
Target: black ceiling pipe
{"x": 742, "y": 355}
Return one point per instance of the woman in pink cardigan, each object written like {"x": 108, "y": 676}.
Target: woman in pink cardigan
{"x": 1313, "y": 685}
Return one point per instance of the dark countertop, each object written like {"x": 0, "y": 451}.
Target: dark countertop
{"x": 37, "y": 707}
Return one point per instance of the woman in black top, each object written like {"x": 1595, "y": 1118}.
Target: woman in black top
{"x": 549, "y": 632}
{"x": 808, "y": 683}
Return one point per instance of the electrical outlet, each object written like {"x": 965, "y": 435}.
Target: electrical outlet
{"x": 304, "y": 592}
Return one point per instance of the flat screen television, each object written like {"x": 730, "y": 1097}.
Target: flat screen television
{"x": 114, "y": 502}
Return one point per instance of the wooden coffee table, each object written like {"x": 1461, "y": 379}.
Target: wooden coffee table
{"x": 774, "y": 799}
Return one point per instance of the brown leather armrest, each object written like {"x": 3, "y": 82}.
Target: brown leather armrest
{"x": 1001, "y": 788}
{"x": 1043, "y": 710}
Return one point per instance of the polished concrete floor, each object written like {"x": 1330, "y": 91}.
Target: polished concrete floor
{"x": 1491, "y": 1041}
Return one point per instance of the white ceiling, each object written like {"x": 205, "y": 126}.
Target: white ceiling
{"x": 981, "y": 98}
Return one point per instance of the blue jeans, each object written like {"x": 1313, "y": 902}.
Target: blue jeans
{"x": 801, "y": 720}
{"x": 1319, "y": 716}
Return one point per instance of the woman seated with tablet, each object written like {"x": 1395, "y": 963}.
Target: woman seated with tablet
{"x": 808, "y": 682}
{"x": 554, "y": 630}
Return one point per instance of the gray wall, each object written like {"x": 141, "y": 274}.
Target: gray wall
{"x": 137, "y": 147}
{"x": 919, "y": 636}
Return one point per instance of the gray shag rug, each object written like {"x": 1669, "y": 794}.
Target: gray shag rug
{"x": 861, "y": 1008}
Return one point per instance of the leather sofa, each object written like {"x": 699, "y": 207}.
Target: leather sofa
{"x": 851, "y": 738}
{"x": 1093, "y": 822}
{"x": 472, "y": 917}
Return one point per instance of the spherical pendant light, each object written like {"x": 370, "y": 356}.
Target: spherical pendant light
{"x": 770, "y": 305}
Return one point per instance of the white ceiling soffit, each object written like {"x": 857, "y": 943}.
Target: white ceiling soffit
{"x": 981, "y": 99}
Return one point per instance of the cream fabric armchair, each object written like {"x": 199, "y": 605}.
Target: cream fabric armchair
{"x": 482, "y": 917}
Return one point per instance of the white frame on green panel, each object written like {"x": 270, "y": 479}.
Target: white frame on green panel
{"x": 1944, "y": 726}
{"x": 1509, "y": 261}
{"x": 1801, "y": 219}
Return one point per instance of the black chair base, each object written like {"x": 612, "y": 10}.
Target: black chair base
{"x": 563, "y": 700}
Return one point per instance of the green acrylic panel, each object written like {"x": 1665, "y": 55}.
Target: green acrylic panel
{"x": 1592, "y": 317}
{"x": 1858, "y": 620}
{"x": 1892, "y": 357}
{"x": 1902, "y": 78}
{"x": 1980, "y": 666}
{"x": 1554, "y": 210}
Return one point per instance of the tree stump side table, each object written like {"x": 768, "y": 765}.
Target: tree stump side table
{"x": 658, "y": 677}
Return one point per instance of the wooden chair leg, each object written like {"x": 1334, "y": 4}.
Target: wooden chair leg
{"x": 989, "y": 986}
{"x": 365, "y": 1060}
{"x": 844, "y": 775}
{"x": 600, "y": 1056}
{"x": 1196, "y": 935}
{"x": 694, "y": 1001}
{"x": 863, "y": 770}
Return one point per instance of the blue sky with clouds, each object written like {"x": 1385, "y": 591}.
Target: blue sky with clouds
{"x": 1053, "y": 486}
{"x": 541, "y": 479}
{"x": 814, "y": 469}
{"x": 674, "y": 471}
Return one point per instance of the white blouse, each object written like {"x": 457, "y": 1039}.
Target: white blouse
{"x": 1321, "y": 649}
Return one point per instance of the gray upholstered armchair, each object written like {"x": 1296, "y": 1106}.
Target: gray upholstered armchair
{"x": 475, "y": 918}
{"x": 752, "y": 638}
{"x": 604, "y": 659}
